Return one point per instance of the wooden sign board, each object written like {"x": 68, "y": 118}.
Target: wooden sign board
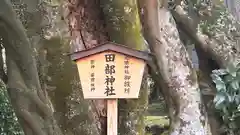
{"x": 110, "y": 71}
{"x": 110, "y": 75}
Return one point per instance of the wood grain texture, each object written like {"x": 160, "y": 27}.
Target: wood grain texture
{"x": 112, "y": 117}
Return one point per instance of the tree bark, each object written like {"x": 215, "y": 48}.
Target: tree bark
{"x": 176, "y": 70}
{"x": 234, "y": 7}
{"x": 124, "y": 27}
{"x": 218, "y": 44}
{"x": 49, "y": 36}
{"x": 222, "y": 47}
{"x": 87, "y": 30}
{"x": 144, "y": 10}
{"x": 24, "y": 88}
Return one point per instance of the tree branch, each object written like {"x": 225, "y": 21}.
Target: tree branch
{"x": 220, "y": 51}
{"x": 175, "y": 68}
{"x": 31, "y": 122}
{"x": 22, "y": 73}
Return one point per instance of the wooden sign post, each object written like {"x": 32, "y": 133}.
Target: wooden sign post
{"x": 110, "y": 71}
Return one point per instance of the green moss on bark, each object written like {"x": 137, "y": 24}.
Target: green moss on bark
{"x": 72, "y": 111}
{"x": 124, "y": 27}
{"x": 123, "y": 23}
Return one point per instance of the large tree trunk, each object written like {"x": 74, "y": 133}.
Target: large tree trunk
{"x": 175, "y": 69}
{"x": 124, "y": 27}
{"x": 206, "y": 65}
{"x": 144, "y": 10}
{"x": 73, "y": 114}
{"x": 87, "y": 30}
{"x": 49, "y": 36}
{"x": 29, "y": 102}
{"x": 219, "y": 42}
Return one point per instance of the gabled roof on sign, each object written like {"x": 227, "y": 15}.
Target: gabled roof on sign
{"x": 109, "y": 46}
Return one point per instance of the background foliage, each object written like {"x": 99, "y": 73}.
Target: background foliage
{"x": 8, "y": 120}
{"x": 227, "y": 99}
